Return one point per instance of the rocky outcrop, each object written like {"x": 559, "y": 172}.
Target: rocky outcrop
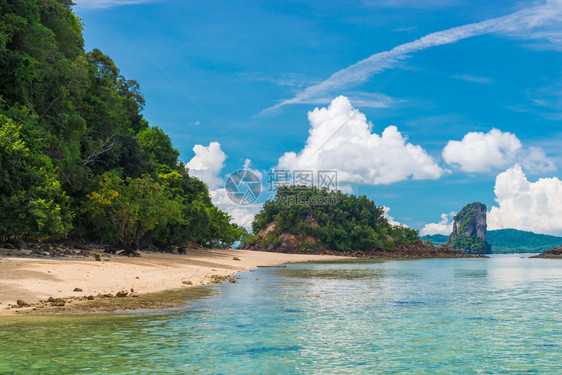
{"x": 555, "y": 252}
{"x": 421, "y": 249}
{"x": 268, "y": 240}
{"x": 470, "y": 221}
{"x": 469, "y": 230}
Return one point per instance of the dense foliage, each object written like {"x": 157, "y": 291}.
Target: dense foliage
{"x": 337, "y": 221}
{"x": 77, "y": 157}
{"x": 468, "y": 244}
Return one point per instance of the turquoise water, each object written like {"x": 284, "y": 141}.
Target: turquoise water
{"x": 500, "y": 315}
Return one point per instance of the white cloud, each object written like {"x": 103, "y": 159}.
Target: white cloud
{"x": 242, "y": 215}
{"x": 445, "y": 226}
{"x": 524, "y": 205}
{"x": 484, "y": 152}
{"x": 546, "y": 40}
{"x": 516, "y": 24}
{"x": 474, "y": 79}
{"x": 535, "y": 160}
{"x": 390, "y": 219}
{"x": 361, "y": 99}
{"x": 481, "y": 152}
{"x": 341, "y": 138}
{"x": 100, "y": 4}
{"x": 207, "y": 164}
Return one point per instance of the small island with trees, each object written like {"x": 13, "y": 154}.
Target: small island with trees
{"x": 312, "y": 220}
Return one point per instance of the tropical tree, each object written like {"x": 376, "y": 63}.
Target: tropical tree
{"x": 126, "y": 210}
{"x": 33, "y": 203}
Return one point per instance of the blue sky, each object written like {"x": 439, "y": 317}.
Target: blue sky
{"x": 257, "y": 68}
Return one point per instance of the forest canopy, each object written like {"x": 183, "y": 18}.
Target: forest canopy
{"x": 77, "y": 158}
{"x": 331, "y": 219}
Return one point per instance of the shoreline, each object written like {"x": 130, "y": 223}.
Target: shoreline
{"x": 116, "y": 283}
{"x": 154, "y": 281}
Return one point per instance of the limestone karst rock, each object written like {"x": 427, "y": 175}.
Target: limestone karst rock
{"x": 469, "y": 230}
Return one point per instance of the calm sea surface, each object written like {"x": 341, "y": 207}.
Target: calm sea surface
{"x": 501, "y": 315}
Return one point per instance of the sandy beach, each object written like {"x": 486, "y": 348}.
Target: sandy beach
{"x": 35, "y": 279}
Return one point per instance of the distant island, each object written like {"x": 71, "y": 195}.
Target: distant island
{"x": 310, "y": 220}
{"x": 504, "y": 241}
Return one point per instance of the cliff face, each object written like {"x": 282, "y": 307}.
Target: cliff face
{"x": 471, "y": 221}
{"x": 469, "y": 230}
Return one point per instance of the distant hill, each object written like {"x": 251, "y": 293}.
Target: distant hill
{"x": 518, "y": 241}
{"x": 510, "y": 241}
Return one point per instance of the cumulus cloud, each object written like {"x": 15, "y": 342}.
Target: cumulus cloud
{"x": 525, "y": 205}
{"x": 340, "y": 138}
{"x": 207, "y": 164}
{"x": 515, "y": 24}
{"x": 445, "y": 226}
{"x": 484, "y": 152}
{"x": 390, "y": 219}
{"x": 481, "y": 152}
{"x": 242, "y": 215}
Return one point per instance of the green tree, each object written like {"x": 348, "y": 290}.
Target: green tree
{"x": 33, "y": 203}
{"x": 70, "y": 120}
{"x": 126, "y": 210}
{"x": 158, "y": 144}
{"x": 221, "y": 232}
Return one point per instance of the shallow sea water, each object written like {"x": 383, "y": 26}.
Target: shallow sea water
{"x": 501, "y": 315}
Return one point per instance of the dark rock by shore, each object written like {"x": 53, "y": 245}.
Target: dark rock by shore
{"x": 554, "y": 253}
{"x": 271, "y": 239}
{"x": 419, "y": 250}
{"x": 103, "y": 303}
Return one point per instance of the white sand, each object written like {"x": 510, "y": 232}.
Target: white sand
{"x": 34, "y": 279}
